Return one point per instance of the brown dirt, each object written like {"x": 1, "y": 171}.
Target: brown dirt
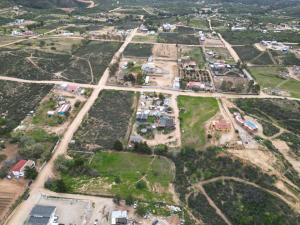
{"x": 165, "y": 51}
{"x": 10, "y": 190}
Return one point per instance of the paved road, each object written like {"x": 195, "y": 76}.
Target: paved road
{"x": 23, "y": 210}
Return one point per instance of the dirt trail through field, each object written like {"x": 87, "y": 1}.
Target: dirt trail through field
{"x": 234, "y": 55}
{"x": 295, "y": 205}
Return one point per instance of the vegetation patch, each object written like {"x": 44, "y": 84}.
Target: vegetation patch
{"x": 17, "y": 100}
{"x": 138, "y": 50}
{"x": 194, "y": 112}
{"x": 178, "y": 38}
{"x": 244, "y": 204}
{"x": 292, "y": 140}
{"x": 281, "y": 111}
{"x": 124, "y": 174}
{"x": 106, "y": 122}
{"x": 270, "y": 78}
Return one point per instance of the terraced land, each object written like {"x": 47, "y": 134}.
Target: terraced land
{"x": 106, "y": 122}
{"x": 75, "y": 60}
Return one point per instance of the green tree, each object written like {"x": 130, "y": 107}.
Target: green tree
{"x": 30, "y": 173}
{"x": 118, "y": 145}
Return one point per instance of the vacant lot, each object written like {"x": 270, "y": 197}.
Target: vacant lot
{"x": 138, "y": 50}
{"x": 194, "y": 112}
{"x": 17, "y": 100}
{"x": 106, "y": 122}
{"x": 268, "y": 77}
{"x": 126, "y": 174}
{"x": 77, "y": 61}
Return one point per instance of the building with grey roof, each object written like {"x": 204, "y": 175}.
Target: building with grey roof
{"x": 42, "y": 215}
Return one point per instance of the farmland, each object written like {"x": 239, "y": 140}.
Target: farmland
{"x": 268, "y": 77}
{"x": 138, "y": 50}
{"x": 17, "y": 100}
{"x": 177, "y": 38}
{"x": 124, "y": 174}
{"x": 76, "y": 61}
{"x": 252, "y": 55}
{"x": 194, "y": 112}
{"x": 107, "y": 121}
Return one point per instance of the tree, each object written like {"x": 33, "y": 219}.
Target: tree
{"x": 142, "y": 148}
{"x": 141, "y": 211}
{"x": 118, "y": 145}
{"x": 129, "y": 200}
{"x": 141, "y": 185}
{"x": 30, "y": 173}
{"x": 117, "y": 199}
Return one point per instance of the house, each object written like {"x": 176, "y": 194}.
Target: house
{"x": 18, "y": 170}
{"x": 135, "y": 139}
{"x": 42, "y": 215}
{"x": 64, "y": 109}
{"x": 119, "y": 218}
{"x": 195, "y": 85}
{"x": 246, "y": 124}
{"x": 221, "y": 125}
{"x": 236, "y": 28}
{"x": 141, "y": 116}
{"x": 166, "y": 122}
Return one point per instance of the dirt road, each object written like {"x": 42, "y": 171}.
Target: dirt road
{"x": 23, "y": 210}
{"x": 33, "y": 37}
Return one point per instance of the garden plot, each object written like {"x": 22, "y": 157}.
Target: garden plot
{"x": 108, "y": 121}
{"x": 11, "y": 190}
{"x": 156, "y": 121}
{"x": 77, "y": 61}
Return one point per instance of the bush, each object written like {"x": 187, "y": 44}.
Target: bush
{"x": 141, "y": 185}
{"x": 142, "y": 148}
{"x": 118, "y": 145}
{"x": 161, "y": 150}
{"x": 56, "y": 185}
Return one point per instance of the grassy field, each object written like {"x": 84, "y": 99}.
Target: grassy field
{"x": 107, "y": 121}
{"x": 145, "y": 38}
{"x": 194, "y": 112}
{"x": 267, "y": 77}
{"x": 121, "y": 171}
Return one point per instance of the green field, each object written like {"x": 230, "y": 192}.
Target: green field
{"x": 120, "y": 172}
{"x": 194, "y": 112}
{"x": 267, "y": 77}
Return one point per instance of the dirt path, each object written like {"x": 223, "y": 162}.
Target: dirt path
{"x": 232, "y": 52}
{"x": 91, "y": 3}
{"x": 32, "y": 37}
{"x": 295, "y": 206}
